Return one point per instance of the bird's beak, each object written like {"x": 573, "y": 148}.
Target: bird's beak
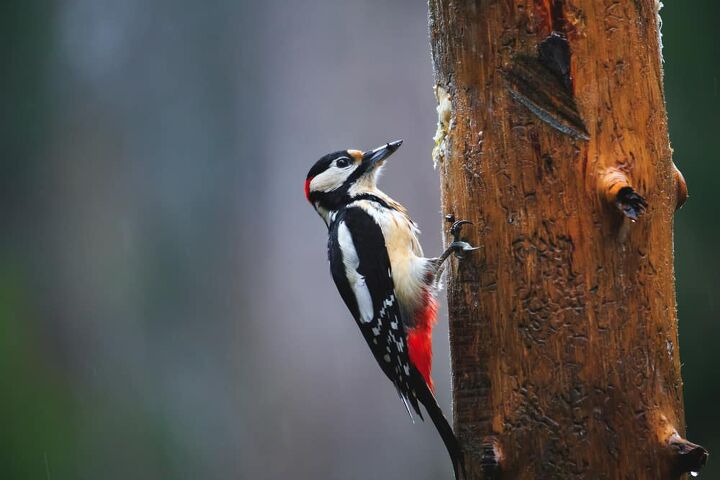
{"x": 374, "y": 158}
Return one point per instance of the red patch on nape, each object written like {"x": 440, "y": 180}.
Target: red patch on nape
{"x": 420, "y": 338}
{"x": 307, "y": 188}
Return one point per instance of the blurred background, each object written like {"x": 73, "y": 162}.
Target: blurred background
{"x": 165, "y": 306}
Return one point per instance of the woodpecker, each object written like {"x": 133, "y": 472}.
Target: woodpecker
{"x": 379, "y": 268}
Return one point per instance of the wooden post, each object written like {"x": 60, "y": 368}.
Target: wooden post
{"x": 552, "y": 139}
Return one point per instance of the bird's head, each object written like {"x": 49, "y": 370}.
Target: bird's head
{"x": 338, "y": 177}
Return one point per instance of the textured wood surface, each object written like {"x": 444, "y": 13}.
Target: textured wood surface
{"x": 563, "y": 325}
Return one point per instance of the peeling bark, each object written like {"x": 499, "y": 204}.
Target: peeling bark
{"x": 563, "y": 327}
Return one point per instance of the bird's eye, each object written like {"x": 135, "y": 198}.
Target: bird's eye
{"x": 342, "y": 162}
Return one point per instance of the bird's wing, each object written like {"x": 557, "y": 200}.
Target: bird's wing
{"x": 362, "y": 272}
{"x": 361, "y": 269}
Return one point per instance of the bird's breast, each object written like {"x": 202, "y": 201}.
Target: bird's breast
{"x": 409, "y": 267}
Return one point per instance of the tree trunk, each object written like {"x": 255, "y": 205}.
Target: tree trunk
{"x": 552, "y": 139}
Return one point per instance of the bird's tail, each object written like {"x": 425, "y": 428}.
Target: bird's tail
{"x": 426, "y": 397}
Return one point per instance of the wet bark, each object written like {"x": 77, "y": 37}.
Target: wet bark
{"x": 552, "y": 139}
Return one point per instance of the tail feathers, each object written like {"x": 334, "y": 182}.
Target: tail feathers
{"x": 410, "y": 400}
{"x": 443, "y": 427}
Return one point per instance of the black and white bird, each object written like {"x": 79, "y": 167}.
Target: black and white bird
{"x": 379, "y": 268}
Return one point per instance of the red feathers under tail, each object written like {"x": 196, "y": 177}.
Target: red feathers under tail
{"x": 420, "y": 338}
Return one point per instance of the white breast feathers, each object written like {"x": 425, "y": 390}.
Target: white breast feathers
{"x": 409, "y": 267}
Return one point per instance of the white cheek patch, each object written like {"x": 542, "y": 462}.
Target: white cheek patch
{"x": 357, "y": 281}
{"x": 331, "y": 179}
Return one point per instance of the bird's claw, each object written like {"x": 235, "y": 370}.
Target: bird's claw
{"x": 458, "y": 246}
{"x": 457, "y": 227}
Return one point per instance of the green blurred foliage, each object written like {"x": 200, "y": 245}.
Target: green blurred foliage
{"x": 38, "y": 437}
{"x": 692, "y": 91}
{"x": 39, "y": 417}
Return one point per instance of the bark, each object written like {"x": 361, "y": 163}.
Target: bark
{"x": 552, "y": 139}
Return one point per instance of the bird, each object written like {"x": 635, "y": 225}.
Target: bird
{"x": 379, "y": 269}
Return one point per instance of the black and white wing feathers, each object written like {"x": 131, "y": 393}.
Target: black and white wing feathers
{"x": 361, "y": 269}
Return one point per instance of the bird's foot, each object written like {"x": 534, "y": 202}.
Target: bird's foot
{"x": 459, "y": 247}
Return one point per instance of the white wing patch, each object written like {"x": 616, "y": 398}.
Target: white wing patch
{"x": 357, "y": 281}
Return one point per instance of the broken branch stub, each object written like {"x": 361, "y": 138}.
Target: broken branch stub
{"x": 491, "y": 457}
{"x": 615, "y": 188}
{"x": 687, "y": 457}
{"x": 681, "y": 189}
